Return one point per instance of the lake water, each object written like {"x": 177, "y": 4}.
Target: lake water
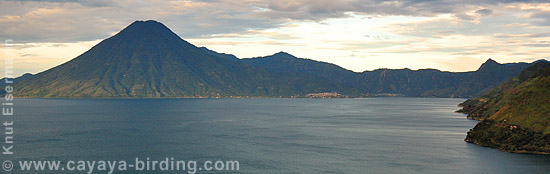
{"x": 373, "y": 135}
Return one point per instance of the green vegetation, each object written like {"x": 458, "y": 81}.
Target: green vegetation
{"x": 509, "y": 137}
{"x": 516, "y": 114}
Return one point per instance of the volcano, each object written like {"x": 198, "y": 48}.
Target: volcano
{"x": 147, "y": 60}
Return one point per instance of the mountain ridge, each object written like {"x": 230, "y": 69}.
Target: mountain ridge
{"x": 398, "y": 82}
{"x": 148, "y": 60}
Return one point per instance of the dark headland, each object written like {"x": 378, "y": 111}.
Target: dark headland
{"x": 515, "y": 116}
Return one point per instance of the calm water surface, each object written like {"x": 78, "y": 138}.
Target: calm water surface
{"x": 374, "y": 135}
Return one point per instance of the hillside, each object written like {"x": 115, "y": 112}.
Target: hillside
{"x": 399, "y": 82}
{"x": 435, "y": 83}
{"x": 148, "y": 60}
{"x": 515, "y": 115}
{"x": 286, "y": 63}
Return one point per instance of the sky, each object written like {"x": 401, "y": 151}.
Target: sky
{"x": 359, "y": 35}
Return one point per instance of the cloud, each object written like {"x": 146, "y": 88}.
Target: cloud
{"x": 529, "y": 35}
{"x": 27, "y": 55}
{"x": 329, "y": 30}
{"x": 465, "y": 17}
{"x": 546, "y": 34}
{"x": 319, "y": 9}
{"x": 542, "y": 18}
{"x": 90, "y": 3}
{"x": 539, "y": 44}
{"x": 80, "y": 20}
{"x": 70, "y": 21}
{"x": 484, "y": 12}
{"x": 53, "y": 22}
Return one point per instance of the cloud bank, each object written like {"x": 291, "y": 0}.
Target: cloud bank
{"x": 356, "y": 34}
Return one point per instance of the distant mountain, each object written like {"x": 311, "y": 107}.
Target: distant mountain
{"x": 399, "y": 82}
{"x": 435, "y": 83}
{"x": 472, "y": 84}
{"x": 3, "y": 80}
{"x": 148, "y": 60}
{"x": 408, "y": 82}
{"x": 516, "y": 114}
{"x": 283, "y": 62}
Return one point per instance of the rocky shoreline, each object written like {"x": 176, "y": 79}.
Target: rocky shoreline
{"x": 515, "y": 116}
{"x": 509, "y": 138}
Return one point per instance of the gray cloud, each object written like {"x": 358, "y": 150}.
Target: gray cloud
{"x": 533, "y": 35}
{"x": 465, "y": 17}
{"x": 27, "y": 55}
{"x": 484, "y": 12}
{"x": 539, "y": 44}
{"x": 312, "y": 9}
{"x": 83, "y": 20}
{"x": 91, "y": 3}
{"x": 546, "y": 34}
{"x": 70, "y": 21}
{"x": 542, "y": 18}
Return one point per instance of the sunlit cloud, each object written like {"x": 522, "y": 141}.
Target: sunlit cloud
{"x": 35, "y": 57}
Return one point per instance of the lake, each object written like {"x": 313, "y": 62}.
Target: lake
{"x": 371, "y": 135}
